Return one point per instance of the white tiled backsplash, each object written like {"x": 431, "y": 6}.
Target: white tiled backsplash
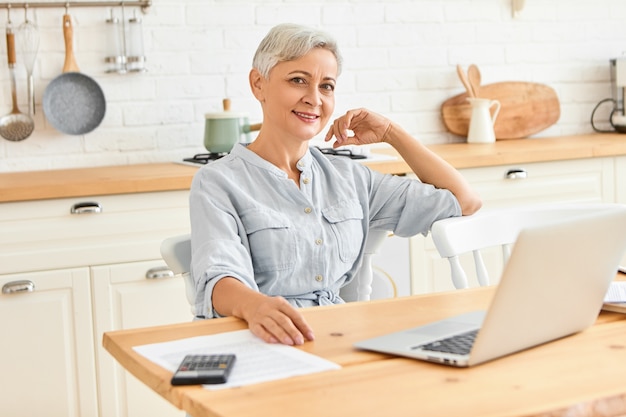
{"x": 400, "y": 59}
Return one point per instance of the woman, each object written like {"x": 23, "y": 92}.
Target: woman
{"x": 277, "y": 225}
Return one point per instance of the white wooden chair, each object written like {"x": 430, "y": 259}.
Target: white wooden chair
{"x": 176, "y": 252}
{"x": 491, "y": 228}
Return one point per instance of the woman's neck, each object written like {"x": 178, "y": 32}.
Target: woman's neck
{"x": 284, "y": 156}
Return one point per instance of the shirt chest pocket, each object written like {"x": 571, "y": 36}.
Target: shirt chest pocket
{"x": 345, "y": 221}
{"x": 271, "y": 239}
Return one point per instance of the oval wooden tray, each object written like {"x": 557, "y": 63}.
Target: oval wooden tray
{"x": 526, "y": 108}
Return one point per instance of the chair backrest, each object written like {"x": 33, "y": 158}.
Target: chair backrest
{"x": 176, "y": 252}
{"x": 360, "y": 288}
{"x": 489, "y": 228}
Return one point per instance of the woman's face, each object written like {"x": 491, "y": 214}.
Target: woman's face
{"x": 298, "y": 99}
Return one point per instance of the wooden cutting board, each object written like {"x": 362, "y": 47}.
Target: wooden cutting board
{"x": 526, "y": 108}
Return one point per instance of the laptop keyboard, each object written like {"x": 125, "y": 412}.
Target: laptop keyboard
{"x": 460, "y": 344}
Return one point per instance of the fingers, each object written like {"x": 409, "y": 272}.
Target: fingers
{"x": 367, "y": 127}
{"x": 341, "y": 125}
{"x": 339, "y": 129}
{"x": 276, "y": 321}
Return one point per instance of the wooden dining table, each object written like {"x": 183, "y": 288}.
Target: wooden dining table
{"x": 579, "y": 375}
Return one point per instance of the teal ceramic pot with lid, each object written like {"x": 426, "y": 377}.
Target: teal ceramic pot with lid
{"x": 222, "y": 130}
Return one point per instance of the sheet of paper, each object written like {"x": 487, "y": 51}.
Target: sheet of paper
{"x": 616, "y": 292}
{"x": 257, "y": 361}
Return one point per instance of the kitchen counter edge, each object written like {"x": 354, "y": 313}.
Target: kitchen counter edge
{"x": 154, "y": 177}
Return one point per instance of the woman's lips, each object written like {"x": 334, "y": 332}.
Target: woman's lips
{"x": 308, "y": 117}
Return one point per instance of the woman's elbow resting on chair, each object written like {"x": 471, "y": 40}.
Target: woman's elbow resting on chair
{"x": 470, "y": 203}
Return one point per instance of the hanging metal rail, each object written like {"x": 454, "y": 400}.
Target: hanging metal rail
{"x": 144, "y": 4}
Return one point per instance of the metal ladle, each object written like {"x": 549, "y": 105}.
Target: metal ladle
{"x": 16, "y": 125}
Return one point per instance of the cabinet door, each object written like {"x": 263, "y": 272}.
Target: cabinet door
{"x": 95, "y": 230}
{"x": 620, "y": 185}
{"x": 47, "y": 361}
{"x": 573, "y": 181}
{"x": 620, "y": 179}
{"x": 126, "y": 298}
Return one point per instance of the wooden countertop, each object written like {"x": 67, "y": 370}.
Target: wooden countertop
{"x": 123, "y": 179}
{"x": 505, "y": 152}
{"x": 82, "y": 182}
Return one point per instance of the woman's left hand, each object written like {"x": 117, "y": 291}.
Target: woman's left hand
{"x": 368, "y": 127}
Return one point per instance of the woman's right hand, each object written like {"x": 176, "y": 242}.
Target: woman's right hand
{"x": 368, "y": 127}
{"x": 272, "y": 319}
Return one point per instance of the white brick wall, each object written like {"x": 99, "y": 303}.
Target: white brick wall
{"x": 400, "y": 59}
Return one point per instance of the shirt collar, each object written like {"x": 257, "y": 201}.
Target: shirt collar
{"x": 240, "y": 151}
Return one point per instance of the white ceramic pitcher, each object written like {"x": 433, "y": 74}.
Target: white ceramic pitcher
{"x": 481, "y": 121}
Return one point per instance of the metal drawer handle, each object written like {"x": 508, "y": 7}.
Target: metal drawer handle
{"x": 516, "y": 174}
{"x": 86, "y": 207}
{"x": 18, "y": 286}
{"x": 159, "y": 272}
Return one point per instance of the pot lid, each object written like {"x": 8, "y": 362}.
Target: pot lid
{"x": 226, "y": 114}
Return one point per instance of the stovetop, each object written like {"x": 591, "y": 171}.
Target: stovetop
{"x": 204, "y": 158}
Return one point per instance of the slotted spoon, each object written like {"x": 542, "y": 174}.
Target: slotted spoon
{"x": 16, "y": 125}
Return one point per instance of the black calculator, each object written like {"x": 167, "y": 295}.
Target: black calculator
{"x": 204, "y": 369}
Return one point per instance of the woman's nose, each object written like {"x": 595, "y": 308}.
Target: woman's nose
{"x": 313, "y": 97}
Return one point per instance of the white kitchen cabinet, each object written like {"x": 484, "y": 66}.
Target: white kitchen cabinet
{"x": 43, "y": 235}
{"x": 51, "y": 355}
{"x": 572, "y": 181}
{"x": 128, "y": 296}
{"x": 48, "y": 355}
{"x": 620, "y": 179}
{"x": 620, "y": 186}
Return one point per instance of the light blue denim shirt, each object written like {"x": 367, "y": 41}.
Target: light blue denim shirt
{"x": 251, "y": 222}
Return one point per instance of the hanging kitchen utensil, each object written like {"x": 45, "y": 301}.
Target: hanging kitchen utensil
{"x": 16, "y": 125}
{"x": 465, "y": 81}
{"x": 73, "y": 102}
{"x": 136, "y": 59}
{"x": 473, "y": 74}
{"x": 28, "y": 38}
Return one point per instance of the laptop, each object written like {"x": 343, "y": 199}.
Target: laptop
{"x": 552, "y": 286}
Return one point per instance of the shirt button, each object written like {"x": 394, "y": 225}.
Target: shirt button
{"x": 319, "y": 278}
{"x": 300, "y": 164}
{"x": 306, "y": 180}
{"x": 307, "y": 210}
{"x": 318, "y": 241}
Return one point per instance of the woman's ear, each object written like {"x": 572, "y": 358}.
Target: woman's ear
{"x": 256, "y": 84}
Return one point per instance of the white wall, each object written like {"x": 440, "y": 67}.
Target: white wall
{"x": 400, "y": 59}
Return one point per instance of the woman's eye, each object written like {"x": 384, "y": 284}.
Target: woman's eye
{"x": 328, "y": 87}
{"x": 297, "y": 80}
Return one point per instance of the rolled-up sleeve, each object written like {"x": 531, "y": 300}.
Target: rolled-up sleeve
{"x": 408, "y": 207}
{"x": 217, "y": 249}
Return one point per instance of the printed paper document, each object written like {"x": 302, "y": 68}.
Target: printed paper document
{"x": 257, "y": 361}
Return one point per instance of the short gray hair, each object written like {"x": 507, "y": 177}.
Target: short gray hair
{"x": 288, "y": 42}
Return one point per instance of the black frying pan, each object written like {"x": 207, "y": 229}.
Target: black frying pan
{"x": 73, "y": 102}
